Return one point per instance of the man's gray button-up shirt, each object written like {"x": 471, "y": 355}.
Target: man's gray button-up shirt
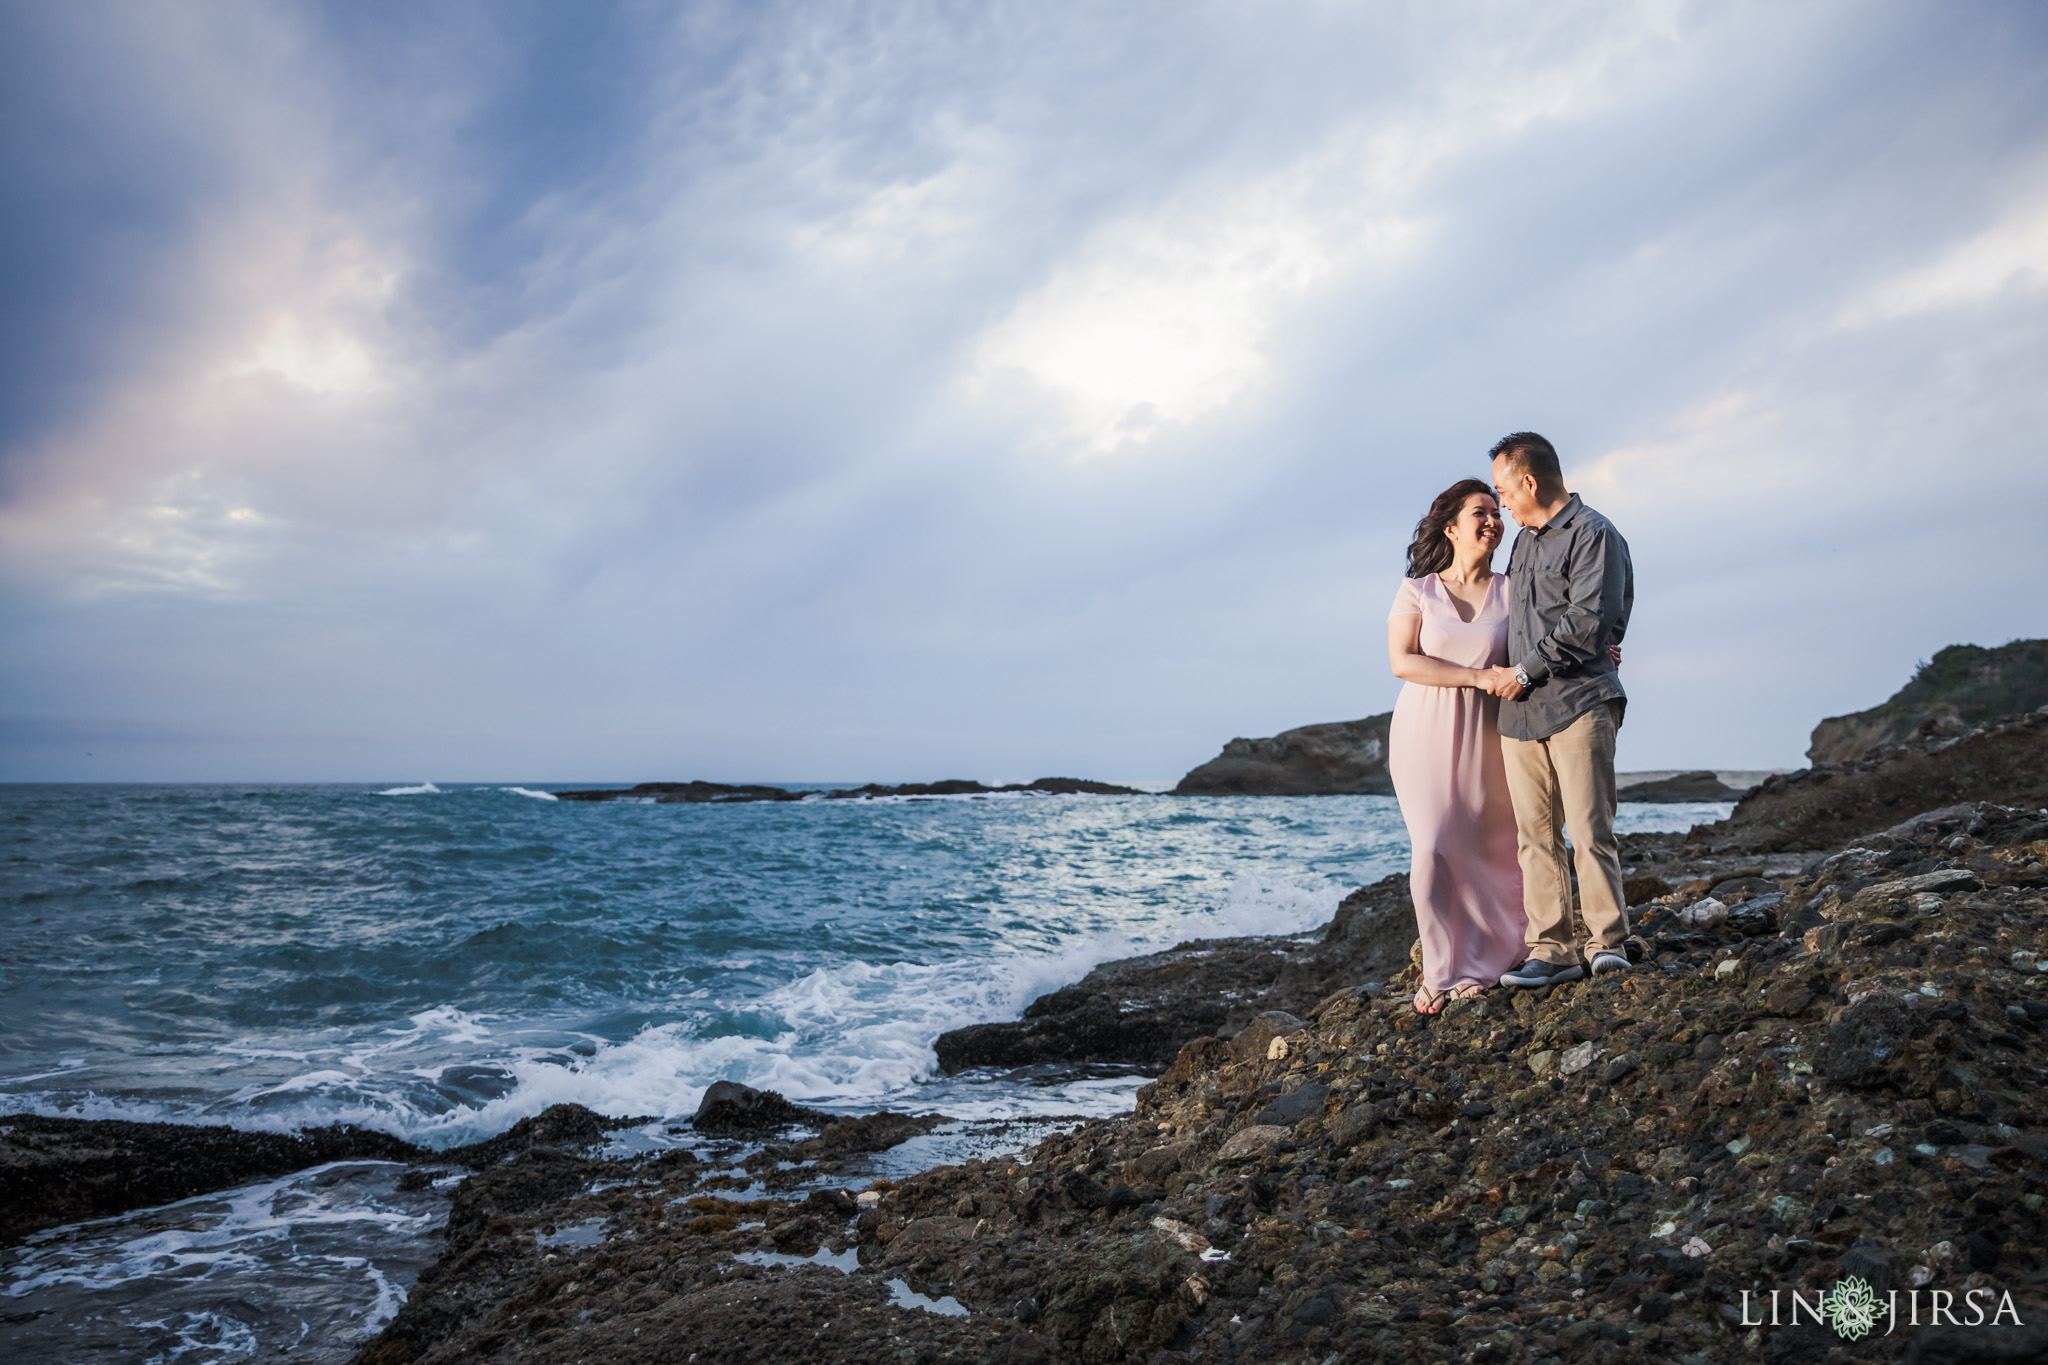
{"x": 1570, "y": 588}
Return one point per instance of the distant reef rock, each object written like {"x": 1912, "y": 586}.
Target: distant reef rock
{"x": 1340, "y": 758}
{"x": 1959, "y": 689}
{"x": 1700, "y": 786}
{"x": 720, "y": 793}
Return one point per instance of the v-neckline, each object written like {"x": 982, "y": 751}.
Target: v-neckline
{"x": 1457, "y": 605}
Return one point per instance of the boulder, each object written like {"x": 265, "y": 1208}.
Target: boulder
{"x": 1255, "y": 1042}
{"x": 729, "y": 1107}
{"x": 1250, "y": 1144}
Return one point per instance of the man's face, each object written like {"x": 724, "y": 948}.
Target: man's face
{"x": 1516, "y": 490}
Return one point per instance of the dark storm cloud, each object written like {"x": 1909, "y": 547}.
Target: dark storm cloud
{"x": 814, "y": 390}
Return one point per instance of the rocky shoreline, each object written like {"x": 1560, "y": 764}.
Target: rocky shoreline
{"x": 1828, "y": 1061}
{"x": 1828, "y": 1072}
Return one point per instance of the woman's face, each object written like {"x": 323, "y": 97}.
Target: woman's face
{"x": 1477, "y": 524}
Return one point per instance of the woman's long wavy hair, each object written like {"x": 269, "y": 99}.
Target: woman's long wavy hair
{"x": 1430, "y": 551}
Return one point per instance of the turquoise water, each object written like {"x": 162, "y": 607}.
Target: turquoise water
{"x": 441, "y": 962}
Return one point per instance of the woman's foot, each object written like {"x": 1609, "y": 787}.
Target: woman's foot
{"x": 1428, "y": 1001}
{"x": 1467, "y": 990}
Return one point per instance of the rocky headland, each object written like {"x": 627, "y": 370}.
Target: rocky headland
{"x": 1337, "y": 758}
{"x": 1958, "y": 690}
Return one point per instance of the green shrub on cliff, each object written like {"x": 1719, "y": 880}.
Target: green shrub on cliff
{"x": 1962, "y": 686}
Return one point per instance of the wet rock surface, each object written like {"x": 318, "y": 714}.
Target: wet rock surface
{"x": 729, "y": 1107}
{"x": 1843, "y": 1073}
{"x": 1139, "y": 1012}
{"x": 60, "y": 1170}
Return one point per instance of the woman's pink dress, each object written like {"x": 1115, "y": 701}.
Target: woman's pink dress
{"x": 1443, "y": 752}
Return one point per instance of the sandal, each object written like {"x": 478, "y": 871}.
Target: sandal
{"x": 1468, "y": 990}
{"x": 1428, "y": 1001}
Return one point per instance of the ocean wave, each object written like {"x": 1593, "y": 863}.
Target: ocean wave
{"x": 854, "y": 1035}
{"x": 423, "y": 789}
{"x": 528, "y": 791}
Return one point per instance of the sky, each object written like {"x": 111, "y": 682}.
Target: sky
{"x": 786, "y": 391}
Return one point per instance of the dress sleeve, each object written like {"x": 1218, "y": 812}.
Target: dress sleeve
{"x": 1407, "y": 599}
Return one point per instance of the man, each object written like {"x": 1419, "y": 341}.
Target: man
{"x": 1570, "y": 588}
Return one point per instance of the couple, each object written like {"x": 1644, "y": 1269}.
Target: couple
{"x": 1503, "y": 737}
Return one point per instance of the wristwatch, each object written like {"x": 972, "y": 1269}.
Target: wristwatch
{"x": 1522, "y": 678}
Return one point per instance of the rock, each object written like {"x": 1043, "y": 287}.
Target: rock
{"x": 960, "y": 786}
{"x": 1142, "y": 1011}
{"x": 1866, "y": 1042}
{"x": 1949, "y": 879}
{"x": 677, "y": 793}
{"x": 1354, "y": 1125}
{"x": 1262, "y": 1032}
{"x": 1293, "y": 1107}
{"x": 1575, "y": 1059}
{"x": 1722, "y": 1148}
{"x": 729, "y": 1107}
{"x": 1741, "y": 888}
{"x": 1961, "y": 687}
{"x": 1185, "y": 1237}
{"x": 1703, "y": 914}
{"x": 569, "y": 1127}
{"x": 1699, "y": 786}
{"x": 1250, "y": 1144}
{"x": 2003, "y": 761}
{"x": 60, "y": 1170}
{"x": 1340, "y": 758}
{"x": 1983, "y": 1344}
{"x": 1637, "y": 890}
{"x": 1787, "y": 998}
{"x": 720, "y": 793}
{"x": 875, "y": 1132}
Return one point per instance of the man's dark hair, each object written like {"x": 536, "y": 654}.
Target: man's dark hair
{"x": 1531, "y": 454}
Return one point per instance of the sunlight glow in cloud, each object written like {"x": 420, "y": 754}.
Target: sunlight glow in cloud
{"x": 746, "y": 392}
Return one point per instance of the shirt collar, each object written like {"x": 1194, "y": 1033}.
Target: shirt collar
{"x": 1563, "y": 519}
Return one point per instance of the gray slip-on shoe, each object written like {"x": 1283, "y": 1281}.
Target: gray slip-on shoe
{"x": 1537, "y": 972}
{"x": 1609, "y": 962}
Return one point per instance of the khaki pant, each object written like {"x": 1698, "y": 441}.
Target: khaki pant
{"x": 1567, "y": 782}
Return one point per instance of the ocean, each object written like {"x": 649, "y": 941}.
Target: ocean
{"x": 439, "y": 961}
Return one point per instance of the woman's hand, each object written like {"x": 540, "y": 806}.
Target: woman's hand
{"x": 1614, "y": 653}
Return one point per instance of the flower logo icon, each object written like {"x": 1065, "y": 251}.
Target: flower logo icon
{"x": 1852, "y": 1308}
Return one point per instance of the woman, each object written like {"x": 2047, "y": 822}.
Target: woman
{"x": 1448, "y": 624}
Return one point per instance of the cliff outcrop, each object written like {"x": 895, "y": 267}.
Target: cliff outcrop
{"x": 1959, "y": 689}
{"x": 2005, "y": 762}
{"x": 1339, "y": 758}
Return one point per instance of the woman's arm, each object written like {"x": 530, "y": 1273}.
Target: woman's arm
{"x": 1410, "y": 664}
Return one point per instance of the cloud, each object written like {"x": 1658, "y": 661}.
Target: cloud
{"x": 795, "y": 391}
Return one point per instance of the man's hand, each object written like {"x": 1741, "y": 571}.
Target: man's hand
{"x": 1501, "y": 682}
